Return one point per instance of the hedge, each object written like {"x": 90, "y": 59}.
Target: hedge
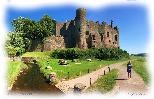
{"x": 93, "y": 53}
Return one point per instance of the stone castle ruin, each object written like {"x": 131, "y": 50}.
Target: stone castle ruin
{"x": 84, "y": 34}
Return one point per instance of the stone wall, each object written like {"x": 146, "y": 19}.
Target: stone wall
{"x": 109, "y": 37}
{"x": 92, "y": 35}
{"x": 58, "y": 28}
{"x": 84, "y": 34}
{"x": 67, "y": 30}
{"x": 53, "y": 42}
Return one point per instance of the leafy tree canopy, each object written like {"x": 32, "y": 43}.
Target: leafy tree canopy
{"x": 46, "y": 26}
{"x": 16, "y": 43}
{"x": 26, "y": 31}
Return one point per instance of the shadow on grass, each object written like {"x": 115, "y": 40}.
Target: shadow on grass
{"x": 120, "y": 79}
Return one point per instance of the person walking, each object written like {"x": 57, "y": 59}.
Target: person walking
{"x": 129, "y": 67}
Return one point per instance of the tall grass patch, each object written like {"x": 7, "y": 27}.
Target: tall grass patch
{"x": 106, "y": 83}
{"x": 140, "y": 67}
{"x": 14, "y": 68}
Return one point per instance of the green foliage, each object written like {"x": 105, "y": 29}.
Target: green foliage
{"x": 12, "y": 51}
{"x": 26, "y": 31}
{"x": 26, "y": 26}
{"x": 45, "y": 27}
{"x": 105, "y": 83}
{"x": 14, "y": 69}
{"x": 34, "y": 30}
{"x": 74, "y": 69}
{"x": 140, "y": 67}
{"x": 36, "y": 54}
{"x": 95, "y": 53}
{"x": 15, "y": 39}
{"x": 16, "y": 43}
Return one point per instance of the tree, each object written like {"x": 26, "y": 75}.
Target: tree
{"x": 35, "y": 30}
{"x": 26, "y": 26}
{"x": 12, "y": 51}
{"x": 29, "y": 33}
{"x": 45, "y": 27}
{"x": 16, "y": 43}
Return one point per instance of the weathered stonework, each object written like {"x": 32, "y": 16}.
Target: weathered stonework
{"x": 54, "y": 42}
{"x": 83, "y": 34}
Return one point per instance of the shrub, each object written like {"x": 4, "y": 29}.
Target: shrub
{"x": 94, "y": 53}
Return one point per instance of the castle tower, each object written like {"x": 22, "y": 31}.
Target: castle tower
{"x": 80, "y": 22}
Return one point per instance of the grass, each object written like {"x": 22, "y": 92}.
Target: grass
{"x": 14, "y": 69}
{"x": 36, "y": 54}
{"x": 106, "y": 83}
{"x": 74, "y": 70}
{"x": 140, "y": 67}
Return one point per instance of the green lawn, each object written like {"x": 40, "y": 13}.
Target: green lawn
{"x": 106, "y": 83}
{"x": 74, "y": 70}
{"x": 36, "y": 54}
{"x": 14, "y": 68}
{"x": 140, "y": 67}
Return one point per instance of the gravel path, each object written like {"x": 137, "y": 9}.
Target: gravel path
{"x": 135, "y": 85}
{"x": 67, "y": 86}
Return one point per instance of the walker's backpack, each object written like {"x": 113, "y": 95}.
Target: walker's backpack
{"x": 129, "y": 66}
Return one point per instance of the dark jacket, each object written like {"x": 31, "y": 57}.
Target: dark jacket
{"x": 129, "y": 67}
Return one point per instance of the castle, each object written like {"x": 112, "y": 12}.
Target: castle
{"x": 84, "y": 34}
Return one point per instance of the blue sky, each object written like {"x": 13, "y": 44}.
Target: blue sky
{"x": 132, "y": 21}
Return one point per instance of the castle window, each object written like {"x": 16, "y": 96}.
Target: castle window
{"x": 107, "y": 34}
{"x": 88, "y": 25}
{"x": 93, "y": 36}
{"x": 113, "y": 42}
{"x": 109, "y": 41}
{"x": 87, "y": 32}
{"x": 115, "y": 37}
{"x": 101, "y": 37}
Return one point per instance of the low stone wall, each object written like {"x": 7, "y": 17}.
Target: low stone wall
{"x": 27, "y": 59}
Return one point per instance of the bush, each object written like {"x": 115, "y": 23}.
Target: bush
{"x": 94, "y": 53}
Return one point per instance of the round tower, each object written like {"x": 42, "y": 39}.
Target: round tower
{"x": 81, "y": 14}
{"x": 80, "y": 21}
